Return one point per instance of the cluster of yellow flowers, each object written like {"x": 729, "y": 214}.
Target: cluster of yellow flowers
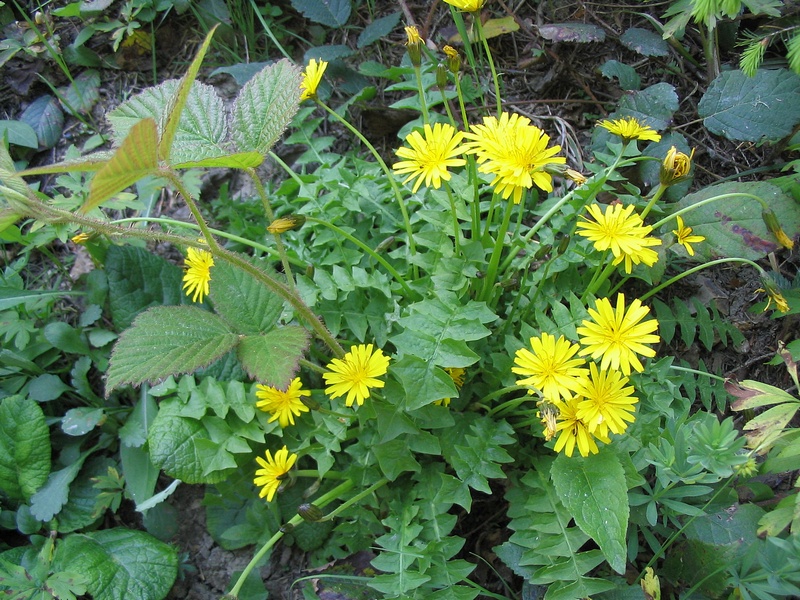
{"x": 583, "y": 404}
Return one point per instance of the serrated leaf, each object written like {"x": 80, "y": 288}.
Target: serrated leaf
{"x": 79, "y": 511}
{"x": 645, "y": 42}
{"x": 628, "y": 77}
{"x": 734, "y": 227}
{"x": 273, "y": 358}
{"x": 265, "y": 107}
{"x": 168, "y": 340}
{"x": 423, "y": 382}
{"x": 119, "y": 564}
{"x": 654, "y": 105}
{"x": 133, "y": 160}
{"x": 83, "y": 93}
{"x": 176, "y": 104}
{"x": 333, "y": 13}
{"x": 742, "y": 108}
{"x": 594, "y": 491}
{"x": 243, "y": 301}
{"x": 53, "y": 495}
{"x": 24, "y": 448}
{"x": 572, "y": 32}
{"x": 44, "y": 115}
{"x": 137, "y": 280}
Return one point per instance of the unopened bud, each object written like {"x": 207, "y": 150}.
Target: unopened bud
{"x": 287, "y": 528}
{"x": 578, "y": 178}
{"x": 310, "y": 403}
{"x": 543, "y": 251}
{"x": 310, "y": 512}
{"x": 286, "y": 223}
{"x": 771, "y": 221}
{"x": 441, "y": 76}
{"x": 675, "y": 167}
{"x": 453, "y": 59}
{"x": 563, "y": 244}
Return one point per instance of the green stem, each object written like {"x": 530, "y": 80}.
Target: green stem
{"x": 690, "y": 208}
{"x": 387, "y": 171}
{"x": 499, "y": 244}
{"x": 217, "y": 232}
{"x": 696, "y": 372}
{"x": 598, "y": 281}
{"x": 321, "y": 502}
{"x": 656, "y": 197}
{"x": 693, "y": 270}
{"x": 392, "y": 271}
{"x": 456, "y": 226}
{"x": 315, "y": 474}
{"x": 507, "y": 403}
{"x": 423, "y": 103}
{"x": 495, "y": 78}
{"x": 357, "y": 498}
{"x": 175, "y": 180}
{"x": 448, "y": 109}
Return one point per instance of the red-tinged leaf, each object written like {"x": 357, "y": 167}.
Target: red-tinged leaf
{"x": 752, "y": 394}
{"x": 134, "y": 159}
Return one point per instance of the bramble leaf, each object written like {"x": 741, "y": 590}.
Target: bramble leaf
{"x": 273, "y": 358}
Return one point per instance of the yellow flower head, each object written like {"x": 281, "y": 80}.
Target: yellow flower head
{"x": 430, "y": 154}
{"x": 284, "y": 406}
{"x": 685, "y": 238}
{"x": 675, "y": 167}
{"x": 312, "y": 76}
{"x": 412, "y": 35}
{"x": 515, "y": 152}
{"x": 273, "y": 472}
{"x": 549, "y": 366}
{"x": 457, "y": 375}
{"x": 356, "y": 373}
{"x": 198, "y": 273}
{"x": 623, "y": 232}
{"x": 574, "y": 432}
{"x": 467, "y": 5}
{"x": 606, "y": 403}
{"x": 617, "y": 335}
{"x": 628, "y": 128}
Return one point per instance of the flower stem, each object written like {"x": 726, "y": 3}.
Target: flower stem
{"x": 693, "y": 270}
{"x": 345, "y": 505}
{"x": 499, "y": 243}
{"x": 423, "y": 103}
{"x": 321, "y": 502}
{"x": 456, "y": 226}
{"x": 495, "y": 78}
{"x": 508, "y": 404}
{"x": 656, "y": 197}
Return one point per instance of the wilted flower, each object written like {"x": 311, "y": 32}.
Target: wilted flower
{"x": 771, "y": 221}
{"x": 414, "y": 45}
{"x": 453, "y": 59}
{"x": 287, "y": 223}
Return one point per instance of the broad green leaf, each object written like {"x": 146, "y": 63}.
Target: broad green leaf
{"x": 395, "y": 457}
{"x": 137, "y": 280}
{"x": 265, "y": 107}
{"x": 81, "y": 420}
{"x": 594, "y": 491}
{"x": 82, "y": 93}
{"x": 53, "y": 495}
{"x": 733, "y": 226}
{"x": 378, "y": 29}
{"x": 628, "y": 77}
{"x": 645, "y": 42}
{"x": 134, "y": 159}
{"x": 273, "y": 358}
{"x": 333, "y": 13}
{"x": 423, "y": 382}
{"x": 19, "y": 134}
{"x": 247, "y": 304}
{"x": 24, "y": 448}
{"x": 653, "y": 106}
{"x": 141, "y": 474}
{"x": 168, "y": 340}
{"x": 119, "y": 564}
{"x": 45, "y": 116}
{"x": 176, "y": 104}
{"x": 742, "y": 108}
{"x": 183, "y": 449}
{"x": 79, "y": 511}
{"x": 47, "y": 387}
{"x": 66, "y": 338}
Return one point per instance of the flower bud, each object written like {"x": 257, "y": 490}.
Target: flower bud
{"x": 441, "y": 76}
{"x": 453, "y": 59}
{"x": 310, "y": 513}
{"x": 578, "y": 178}
{"x": 771, "y": 221}
{"x": 309, "y": 402}
{"x": 81, "y": 238}
{"x": 563, "y": 244}
{"x": 414, "y": 45}
{"x": 675, "y": 167}
{"x": 286, "y": 223}
{"x": 287, "y": 528}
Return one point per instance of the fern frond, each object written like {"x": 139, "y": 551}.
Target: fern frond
{"x": 753, "y": 55}
{"x": 793, "y": 52}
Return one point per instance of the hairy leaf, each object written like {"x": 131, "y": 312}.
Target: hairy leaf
{"x": 273, "y": 358}
{"x": 244, "y": 302}
{"x": 24, "y": 448}
{"x": 333, "y": 13}
{"x": 168, "y": 340}
{"x": 265, "y": 106}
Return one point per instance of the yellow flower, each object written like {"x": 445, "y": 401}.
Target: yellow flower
{"x": 622, "y": 231}
{"x": 412, "y": 35}
{"x": 467, "y": 5}
{"x": 574, "y": 431}
{"x": 81, "y": 238}
{"x": 457, "y": 375}
{"x": 576, "y": 176}
{"x": 685, "y": 237}
{"x": 606, "y": 403}
{"x": 283, "y": 406}
{"x": 453, "y": 59}
{"x": 273, "y": 472}
{"x": 198, "y": 273}
{"x": 773, "y": 295}
{"x": 430, "y": 155}
{"x": 618, "y": 335}
{"x": 675, "y": 167}
{"x": 356, "y": 373}
{"x": 550, "y": 366}
{"x": 284, "y": 224}
{"x": 312, "y": 77}
{"x": 628, "y": 128}
{"x": 515, "y": 152}
{"x": 414, "y": 45}
{"x": 771, "y": 221}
